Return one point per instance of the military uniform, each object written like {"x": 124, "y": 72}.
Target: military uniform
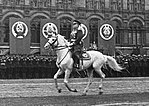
{"x": 76, "y": 40}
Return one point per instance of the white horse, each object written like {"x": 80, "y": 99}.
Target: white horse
{"x": 65, "y": 62}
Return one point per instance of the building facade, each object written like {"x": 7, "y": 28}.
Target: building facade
{"x": 131, "y": 17}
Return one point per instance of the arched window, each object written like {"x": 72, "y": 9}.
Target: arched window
{"x": 6, "y": 27}
{"x": 65, "y": 27}
{"x": 35, "y": 29}
{"x": 135, "y": 36}
{"x": 118, "y": 32}
{"x": 93, "y": 29}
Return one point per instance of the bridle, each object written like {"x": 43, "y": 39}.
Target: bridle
{"x": 58, "y": 47}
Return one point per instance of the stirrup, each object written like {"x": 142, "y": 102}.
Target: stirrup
{"x": 76, "y": 66}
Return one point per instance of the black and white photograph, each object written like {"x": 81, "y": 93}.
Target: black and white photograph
{"x": 74, "y": 52}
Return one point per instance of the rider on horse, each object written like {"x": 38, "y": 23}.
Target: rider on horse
{"x": 76, "y": 40}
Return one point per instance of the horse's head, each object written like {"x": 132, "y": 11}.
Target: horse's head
{"x": 52, "y": 41}
{"x": 57, "y": 41}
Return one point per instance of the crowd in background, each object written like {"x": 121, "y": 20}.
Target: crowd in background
{"x": 36, "y": 66}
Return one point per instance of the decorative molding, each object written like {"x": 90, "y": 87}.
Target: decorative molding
{"x": 107, "y": 16}
{"x": 26, "y": 11}
{"x": 125, "y": 24}
{"x": 53, "y": 13}
{"x": 125, "y": 16}
{"x": 81, "y": 14}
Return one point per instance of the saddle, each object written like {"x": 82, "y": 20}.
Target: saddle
{"x": 80, "y": 55}
{"x": 85, "y": 56}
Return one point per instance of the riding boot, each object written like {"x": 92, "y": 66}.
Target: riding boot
{"x": 76, "y": 63}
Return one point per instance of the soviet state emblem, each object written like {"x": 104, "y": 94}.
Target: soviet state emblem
{"x": 106, "y": 31}
{"x": 19, "y": 29}
{"x": 48, "y": 29}
{"x": 84, "y": 30}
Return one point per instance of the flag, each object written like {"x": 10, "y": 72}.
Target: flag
{"x": 19, "y": 36}
{"x": 43, "y": 34}
{"x": 106, "y": 39}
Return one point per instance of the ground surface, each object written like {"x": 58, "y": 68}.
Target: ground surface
{"x": 42, "y": 92}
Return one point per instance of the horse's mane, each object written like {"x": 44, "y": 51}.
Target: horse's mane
{"x": 63, "y": 37}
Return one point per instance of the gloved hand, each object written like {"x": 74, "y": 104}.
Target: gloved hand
{"x": 71, "y": 44}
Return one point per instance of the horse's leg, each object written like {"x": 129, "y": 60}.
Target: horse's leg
{"x": 100, "y": 86}
{"x": 59, "y": 72}
{"x": 67, "y": 75}
{"x": 102, "y": 75}
{"x": 90, "y": 76}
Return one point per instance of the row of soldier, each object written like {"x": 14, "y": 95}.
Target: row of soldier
{"x": 135, "y": 66}
{"x": 22, "y": 66}
{"x": 26, "y": 61}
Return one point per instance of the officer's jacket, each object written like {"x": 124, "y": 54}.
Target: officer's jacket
{"x": 76, "y": 37}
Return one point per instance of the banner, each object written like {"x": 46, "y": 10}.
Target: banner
{"x": 19, "y": 36}
{"x": 106, "y": 39}
{"x": 43, "y": 34}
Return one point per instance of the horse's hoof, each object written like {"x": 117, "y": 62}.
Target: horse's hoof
{"x": 74, "y": 90}
{"x": 100, "y": 93}
{"x": 59, "y": 90}
{"x": 84, "y": 94}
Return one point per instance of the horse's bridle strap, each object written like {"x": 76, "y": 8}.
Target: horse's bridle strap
{"x": 54, "y": 41}
{"x": 60, "y": 47}
{"x": 62, "y": 58}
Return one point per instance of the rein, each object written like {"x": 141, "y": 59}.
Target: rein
{"x": 56, "y": 48}
{"x": 62, "y": 58}
{"x": 60, "y": 48}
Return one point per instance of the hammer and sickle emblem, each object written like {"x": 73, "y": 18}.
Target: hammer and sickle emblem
{"x": 106, "y": 31}
{"x": 48, "y": 29}
{"x": 19, "y": 29}
{"x": 84, "y": 30}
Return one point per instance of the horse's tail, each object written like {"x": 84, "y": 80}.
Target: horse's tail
{"x": 113, "y": 64}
